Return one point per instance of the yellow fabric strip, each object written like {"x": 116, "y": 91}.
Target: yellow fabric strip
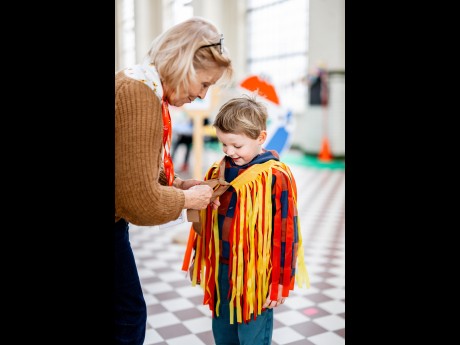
{"x": 252, "y": 212}
{"x": 239, "y": 276}
{"x": 301, "y": 276}
{"x": 233, "y": 279}
{"x": 260, "y": 241}
{"x": 252, "y": 173}
{"x": 268, "y": 234}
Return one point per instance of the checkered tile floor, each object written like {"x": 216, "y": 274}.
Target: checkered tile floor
{"x": 316, "y": 315}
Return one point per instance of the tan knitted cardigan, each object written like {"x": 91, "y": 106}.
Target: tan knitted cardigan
{"x": 141, "y": 196}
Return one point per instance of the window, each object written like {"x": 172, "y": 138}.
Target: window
{"x": 177, "y": 11}
{"x": 278, "y": 47}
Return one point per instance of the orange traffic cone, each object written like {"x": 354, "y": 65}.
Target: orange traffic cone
{"x": 325, "y": 154}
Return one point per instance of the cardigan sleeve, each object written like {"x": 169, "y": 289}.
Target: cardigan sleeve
{"x": 140, "y": 198}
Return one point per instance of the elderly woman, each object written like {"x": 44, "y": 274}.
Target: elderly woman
{"x": 180, "y": 66}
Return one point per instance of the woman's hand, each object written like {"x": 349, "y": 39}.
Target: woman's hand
{"x": 188, "y": 184}
{"x": 198, "y": 197}
{"x": 272, "y": 304}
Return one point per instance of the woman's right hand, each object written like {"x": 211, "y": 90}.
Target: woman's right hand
{"x": 198, "y": 197}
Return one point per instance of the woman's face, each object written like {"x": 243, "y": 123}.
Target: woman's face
{"x": 198, "y": 88}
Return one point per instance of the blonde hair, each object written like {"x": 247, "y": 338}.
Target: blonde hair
{"x": 242, "y": 115}
{"x": 177, "y": 56}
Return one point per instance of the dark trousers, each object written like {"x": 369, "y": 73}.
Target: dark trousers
{"x": 255, "y": 332}
{"x": 130, "y": 310}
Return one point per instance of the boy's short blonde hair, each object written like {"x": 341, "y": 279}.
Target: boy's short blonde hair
{"x": 242, "y": 115}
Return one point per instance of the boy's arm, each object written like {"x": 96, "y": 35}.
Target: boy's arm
{"x": 285, "y": 234}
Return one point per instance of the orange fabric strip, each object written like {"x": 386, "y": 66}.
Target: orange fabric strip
{"x": 188, "y": 250}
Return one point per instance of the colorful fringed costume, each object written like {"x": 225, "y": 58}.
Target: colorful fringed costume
{"x": 255, "y": 231}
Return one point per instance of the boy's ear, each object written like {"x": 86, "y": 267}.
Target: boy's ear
{"x": 262, "y": 137}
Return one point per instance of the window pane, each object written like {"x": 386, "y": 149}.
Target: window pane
{"x": 278, "y": 47}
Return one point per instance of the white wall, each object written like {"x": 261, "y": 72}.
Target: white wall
{"x": 326, "y": 47}
{"x": 327, "y": 33}
{"x": 149, "y": 24}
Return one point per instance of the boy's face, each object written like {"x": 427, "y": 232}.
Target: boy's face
{"x": 239, "y": 147}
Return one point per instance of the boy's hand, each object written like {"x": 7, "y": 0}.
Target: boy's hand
{"x": 272, "y": 304}
{"x": 190, "y": 272}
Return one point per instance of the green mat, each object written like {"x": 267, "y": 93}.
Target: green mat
{"x": 307, "y": 160}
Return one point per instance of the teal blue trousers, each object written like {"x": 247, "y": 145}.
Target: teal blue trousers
{"x": 255, "y": 332}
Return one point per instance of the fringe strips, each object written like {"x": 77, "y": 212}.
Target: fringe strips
{"x": 254, "y": 264}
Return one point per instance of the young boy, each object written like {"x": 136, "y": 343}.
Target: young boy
{"x": 246, "y": 251}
